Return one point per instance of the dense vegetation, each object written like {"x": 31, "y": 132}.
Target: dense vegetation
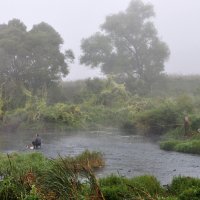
{"x": 98, "y": 103}
{"x": 135, "y": 95}
{"x": 34, "y": 177}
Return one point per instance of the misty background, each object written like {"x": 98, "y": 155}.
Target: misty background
{"x": 176, "y": 22}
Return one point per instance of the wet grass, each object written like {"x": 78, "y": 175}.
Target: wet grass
{"x": 186, "y": 146}
{"x": 143, "y": 187}
{"x": 177, "y": 140}
{"x": 87, "y": 159}
{"x": 35, "y": 177}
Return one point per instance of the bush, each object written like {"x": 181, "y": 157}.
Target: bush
{"x": 159, "y": 120}
{"x": 22, "y": 163}
{"x": 181, "y": 184}
{"x": 168, "y": 145}
{"x": 190, "y": 194}
{"x": 175, "y": 134}
{"x": 147, "y": 183}
{"x": 70, "y": 115}
{"x": 115, "y": 187}
{"x": 191, "y": 146}
{"x": 185, "y": 146}
{"x": 195, "y": 123}
{"x": 9, "y": 189}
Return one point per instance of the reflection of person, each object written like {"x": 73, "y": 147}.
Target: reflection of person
{"x": 37, "y": 142}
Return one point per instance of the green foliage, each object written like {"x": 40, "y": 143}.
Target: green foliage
{"x": 195, "y": 122}
{"x": 22, "y": 162}
{"x": 101, "y": 116}
{"x": 35, "y": 54}
{"x": 70, "y": 115}
{"x": 191, "y": 146}
{"x": 184, "y": 103}
{"x": 62, "y": 180}
{"x": 112, "y": 94}
{"x": 190, "y": 194}
{"x": 35, "y": 177}
{"x": 169, "y": 145}
{"x": 182, "y": 184}
{"x": 30, "y": 59}
{"x": 8, "y": 189}
{"x": 87, "y": 159}
{"x": 74, "y": 91}
{"x": 128, "y": 44}
{"x": 175, "y": 134}
{"x": 34, "y": 108}
{"x": 33, "y": 194}
{"x": 93, "y": 159}
{"x": 95, "y": 86}
{"x": 13, "y": 169}
{"x": 1, "y": 108}
{"x": 185, "y": 146}
{"x": 159, "y": 120}
{"x": 175, "y": 85}
{"x": 115, "y": 187}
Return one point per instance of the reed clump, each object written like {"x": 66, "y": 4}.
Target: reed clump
{"x": 35, "y": 177}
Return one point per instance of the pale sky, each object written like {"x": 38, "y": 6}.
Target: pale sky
{"x": 177, "y": 22}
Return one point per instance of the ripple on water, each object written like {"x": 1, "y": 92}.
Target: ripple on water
{"x": 127, "y": 155}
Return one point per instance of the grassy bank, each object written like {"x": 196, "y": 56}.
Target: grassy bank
{"x": 186, "y": 146}
{"x": 34, "y": 177}
{"x": 108, "y": 103}
{"x": 178, "y": 140}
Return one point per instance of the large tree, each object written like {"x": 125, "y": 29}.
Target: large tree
{"x": 31, "y": 58}
{"x": 128, "y": 43}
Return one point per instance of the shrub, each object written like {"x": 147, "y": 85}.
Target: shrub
{"x": 176, "y": 133}
{"x": 191, "y": 146}
{"x": 168, "y": 145}
{"x": 186, "y": 146}
{"x": 195, "y": 123}
{"x": 159, "y": 120}
{"x": 147, "y": 183}
{"x": 190, "y": 194}
{"x": 9, "y": 188}
{"x": 115, "y": 187}
{"x": 70, "y": 115}
{"x": 181, "y": 184}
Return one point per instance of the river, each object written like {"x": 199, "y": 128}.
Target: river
{"x": 126, "y": 155}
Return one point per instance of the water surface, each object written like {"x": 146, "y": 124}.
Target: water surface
{"x": 126, "y": 155}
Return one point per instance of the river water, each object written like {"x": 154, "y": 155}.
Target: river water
{"x": 126, "y": 155}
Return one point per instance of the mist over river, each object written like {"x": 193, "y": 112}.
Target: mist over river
{"x": 126, "y": 155}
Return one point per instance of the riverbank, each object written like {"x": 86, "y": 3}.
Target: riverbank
{"x": 35, "y": 177}
{"x": 153, "y": 117}
{"x": 177, "y": 140}
{"x": 125, "y": 154}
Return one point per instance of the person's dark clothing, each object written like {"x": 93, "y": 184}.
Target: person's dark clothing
{"x": 37, "y": 142}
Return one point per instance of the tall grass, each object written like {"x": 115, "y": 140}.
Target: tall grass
{"x": 66, "y": 178}
{"x": 185, "y": 146}
{"x": 33, "y": 176}
{"x": 143, "y": 187}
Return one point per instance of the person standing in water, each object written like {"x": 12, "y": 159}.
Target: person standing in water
{"x": 186, "y": 124}
{"x": 37, "y": 142}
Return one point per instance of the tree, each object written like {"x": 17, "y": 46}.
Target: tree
{"x": 127, "y": 44}
{"x": 32, "y": 58}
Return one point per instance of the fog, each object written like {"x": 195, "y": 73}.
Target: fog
{"x": 176, "y": 22}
